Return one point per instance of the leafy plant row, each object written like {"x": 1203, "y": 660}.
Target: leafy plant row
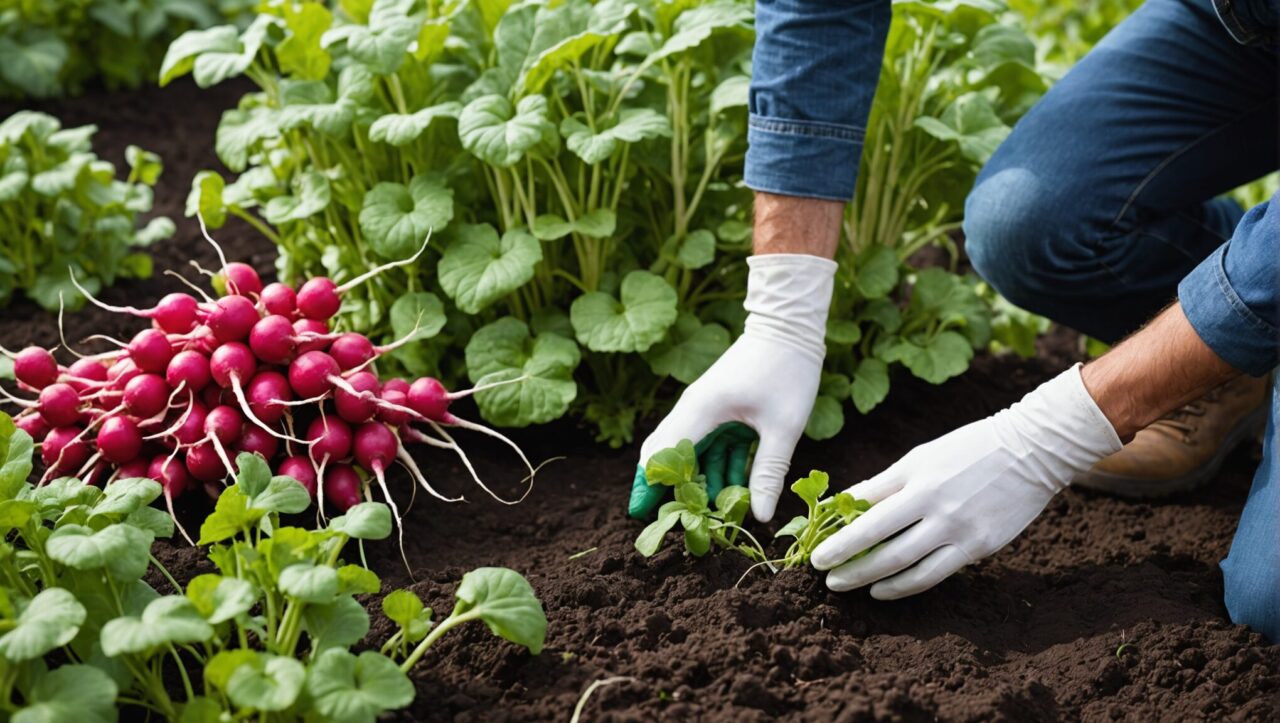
{"x": 56, "y": 47}
{"x": 268, "y": 635}
{"x": 582, "y": 164}
{"x": 63, "y": 209}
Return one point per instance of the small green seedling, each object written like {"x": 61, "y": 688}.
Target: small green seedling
{"x": 677, "y": 467}
{"x": 825, "y": 517}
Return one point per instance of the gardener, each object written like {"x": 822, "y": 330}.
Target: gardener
{"x": 1100, "y": 208}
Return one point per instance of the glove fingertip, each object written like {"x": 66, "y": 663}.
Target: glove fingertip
{"x": 644, "y": 497}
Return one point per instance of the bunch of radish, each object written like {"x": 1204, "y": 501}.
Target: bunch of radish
{"x": 255, "y": 370}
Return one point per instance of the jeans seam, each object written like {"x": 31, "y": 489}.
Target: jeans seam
{"x": 809, "y": 129}
{"x": 1179, "y": 153}
{"x": 1233, "y": 299}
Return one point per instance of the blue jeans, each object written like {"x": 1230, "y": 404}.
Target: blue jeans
{"x": 1104, "y": 203}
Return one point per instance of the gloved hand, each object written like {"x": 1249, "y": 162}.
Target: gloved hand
{"x": 767, "y": 381}
{"x": 965, "y": 495}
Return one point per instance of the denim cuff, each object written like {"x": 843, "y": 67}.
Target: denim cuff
{"x": 802, "y": 158}
{"x": 1224, "y": 322}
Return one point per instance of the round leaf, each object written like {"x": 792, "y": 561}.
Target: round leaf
{"x": 640, "y": 320}
{"x": 50, "y": 620}
{"x": 690, "y": 348}
{"x": 504, "y": 351}
{"x": 268, "y": 683}
{"x": 395, "y": 219}
{"x": 498, "y": 134}
{"x": 309, "y": 583}
{"x": 70, "y": 694}
{"x": 478, "y": 268}
{"x": 347, "y": 689}
{"x": 505, "y": 601}
{"x": 365, "y": 521}
{"x": 169, "y": 619}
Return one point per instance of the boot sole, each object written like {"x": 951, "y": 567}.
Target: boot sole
{"x": 1136, "y": 488}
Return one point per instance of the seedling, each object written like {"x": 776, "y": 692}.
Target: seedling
{"x": 825, "y": 517}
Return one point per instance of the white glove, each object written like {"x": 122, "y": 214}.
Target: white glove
{"x": 767, "y": 380}
{"x": 967, "y": 494}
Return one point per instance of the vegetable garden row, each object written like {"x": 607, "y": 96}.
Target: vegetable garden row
{"x": 235, "y": 497}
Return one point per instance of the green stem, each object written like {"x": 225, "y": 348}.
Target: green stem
{"x": 444, "y": 627}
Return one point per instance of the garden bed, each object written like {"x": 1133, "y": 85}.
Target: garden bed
{"x": 1102, "y": 609}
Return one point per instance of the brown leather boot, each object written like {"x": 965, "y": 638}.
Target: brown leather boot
{"x": 1185, "y": 448}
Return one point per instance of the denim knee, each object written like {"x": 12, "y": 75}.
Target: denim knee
{"x": 1252, "y": 596}
{"x": 1007, "y": 222}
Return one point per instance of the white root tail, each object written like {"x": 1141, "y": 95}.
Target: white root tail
{"x": 407, "y": 460}
{"x": 385, "y": 267}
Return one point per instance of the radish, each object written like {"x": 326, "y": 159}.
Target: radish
{"x": 342, "y": 485}
{"x": 223, "y": 426}
{"x": 268, "y": 394}
{"x": 351, "y": 350}
{"x": 428, "y": 397}
{"x": 86, "y": 374}
{"x": 119, "y": 440}
{"x": 319, "y": 298}
{"x": 255, "y": 440}
{"x": 146, "y": 395}
{"x": 35, "y": 367}
{"x": 189, "y": 370}
{"x": 397, "y": 384}
{"x": 361, "y": 407}
{"x": 311, "y": 335}
{"x": 190, "y": 427}
{"x": 375, "y": 448}
{"x": 272, "y": 339}
{"x": 213, "y": 396}
{"x": 63, "y": 450}
{"x": 241, "y": 279}
{"x": 395, "y": 400}
{"x": 150, "y": 350}
{"x": 230, "y": 363}
{"x": 232, "y": 318}
{"x": 59, "y": 404}
{"x": 300, "y": 469}
{"x": 122, "y": 371}
{"x": 329, "y": 438}
{"x": 278, "y": 298}
{"x": 174, "y": 480}
{"x": 136, "y": 467}
{"x": 312, "y": 374}
{"x": 176, "y": 313}
{"x": 204, "y": 463}
{"x": 33, "y": 424}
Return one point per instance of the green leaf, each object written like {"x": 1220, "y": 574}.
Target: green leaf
{"x": 600, "y": 223}
{"x": 168, "y": 619}
{"x": 972, "y": 123}
{"x": 696, "y": 250}
{"x": 121, "y": 549}
{"x": 300, "y": 54}
{"x": 217, "y": 672}
{"x": 214, "y": 65}
{"x": 877, "y": 273}
{"x": 695, "y": 26}
{"x": 563, "y": 34}
{"x": 650, "y": 539}
{"x": 505, "y": 601}
{"x": 733, "y": 503}
{"x": 504, "y": 351}
{"x": 70, "y": 694}
{"x": 344, "y": 688}
{"x": 870, "y": 384}
{"x": 252, "y": 474}
{"x": 672, "y": 466}
{"x": 420, "y": 313}
{"x": 478, "y": 268}
{"x": 402, "y": 129}
{"x": 205, "y": 199}
{"x": 267, "y": 683}
{"x": 48, "y": 621}
{"x": 402, "y": 607}
{"x": 690, "y": 348}
{"x": 640, "y": 320}
{"x": 16, "y": 449}
{"x": 634, "y": 124}
{"x": 182, "y": 53}
{"x": 153, "y": 520}
{"x": 125, "y": 496}
{"x": 396, "y": 219}
{"x": 731, "y": 93}
{"x": 356, "y": 580}
{"x": 283, "y": 495}
{"x": 309, "y": 583}
{"x": 341, "y": 623}
{"x": 498, "y": 134}
{"x": 364, "y": 521}
{"x": 793, "y": 528}
{"x": 697, "y": 534}
{"x": 219, "y": 598}
{"x": 382, "y": 44}
{"x": 146, "y": 166}
{"x": 811, "y": 488}
{"x": 826, "y": 419}
{"x": 240, "y": 131}
{"x": 231, "y": 515}
{"x": 843, "y": 332}
{"x": 944, "y": 356}
{"x": 311, "y": 196}
{"x": 33, "y": 66}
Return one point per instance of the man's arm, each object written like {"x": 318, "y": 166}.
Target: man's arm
{"x": 794, "y": 225}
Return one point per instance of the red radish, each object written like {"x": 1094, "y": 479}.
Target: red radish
{"x": 428, "y": 397}
{"x": 174, "y": 480}
{"x": 224, "y": 424}
{"x": 254, "y": 439}
{"x": 320, "y": 298}
{"x": 136, "y": 467}
{"x": 351, "y": 350}
{"x": 202, "y": 341}
{"x": 85, "y": 374}
{"x": 330, "y": 438}
{"x": 231, "y": 363}
{"x": 146, "y": 395}
{"x": 389, "y": 413}
{"x": 272, "y": 339}
{"x": 375, "y": 448}
{"x": 357, "y": 408}
{"x": 35, "y": 367}
{"x": 175, "y": 314}
{"x": 311, "y": 374}
{"x": 119, "y": 440}
{"x": 241, "y": 279}
{"x": 278, "y": 298}
{"x": 397, "y": 384}
{"x": 213, "y": 396}
{"x": 64, "y": 450}
{"x": 122, "y": 371}
{"x": 188, "y": 369}
{"x": 32, "y": 424}
{"x": 311, "y": 335}
{"x": 59, "y": 404}
{"x": 343, "y": 486}
{"x": 268, "y": 394}
{"x": 232, "y": 318}
{"x": 150, "y": 350}
{"x": 204, "y": 463}
{"x": 300, "y": 469}
{"x": 190, "y": 428}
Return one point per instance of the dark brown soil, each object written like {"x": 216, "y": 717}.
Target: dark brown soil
{"x": 1103, "y": 609}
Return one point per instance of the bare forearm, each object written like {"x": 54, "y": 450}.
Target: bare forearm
{"x": 794, "y": 225}
{"x": 1156, "y": 370}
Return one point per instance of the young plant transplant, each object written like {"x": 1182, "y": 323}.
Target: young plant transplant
{"x": 268, "y": 635}
{"x": 63, "y": 207}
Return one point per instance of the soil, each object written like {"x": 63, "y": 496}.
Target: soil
{"x": 1102, "y": 609}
